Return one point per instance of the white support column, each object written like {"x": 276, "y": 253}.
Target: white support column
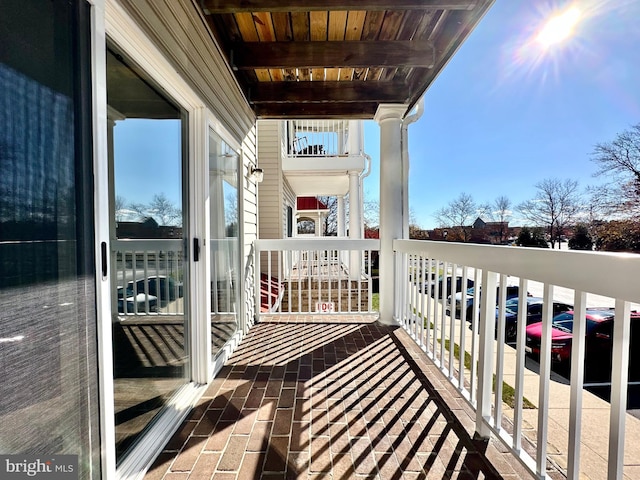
{"x": 319, "y": 225}
{"x": 355, "y": 212}
{"x": 356, "y": 137}
{"x": 341, "y": 217}
{"x": 389, "y": 117}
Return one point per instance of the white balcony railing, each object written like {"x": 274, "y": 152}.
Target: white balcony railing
{"x": 147, "y": 276}
{"x": 318, "y": 138}
{"x": 315, "y": 275}
{"x": 480, "y": 372}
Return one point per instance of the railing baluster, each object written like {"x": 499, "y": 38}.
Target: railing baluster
{"x": 428, "y": 316}
{"x": 452, "y": 323}
{"x": 436, "y": 293}
{"x": 414, "y": 293}
{"x": 309, "y": 277}
{"x": 359, "y": 309}
{"x": 545, "y": 372}
{"x": 124, "y": 281}
{"x": 443, "y": 313}
{"x": 520, "y": 344}
{"x": 269, "y": 277}
{"x": 145, "y": 267}
{"x": 485, "y": 357}
{"x": 280, "y": 272}
{"x": 502, "y": 298}
{"x": 299, "y": 272}
{"x": 619, "y": 385}
{"x": 340, "y": 270}
{"x": 463, "y": 336}
{"x": 473, "y": 377}
{"x": 577, "y": 383}
{"x": 422, "y": 289}
{"x": 158, "y": 256}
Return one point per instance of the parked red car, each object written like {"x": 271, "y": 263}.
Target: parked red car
{"x": 598, "y": 346}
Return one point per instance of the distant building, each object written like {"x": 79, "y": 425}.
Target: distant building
{"x": 148, "y": 228}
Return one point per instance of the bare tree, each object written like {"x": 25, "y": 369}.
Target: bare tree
{"x": 371, "y": 212}
{"x": 330, "y": 226}
{"x": 619, "y": 160}
{"x": 163, "y": 211}
{"x": 140, "y": 209}
{"x": 458, "y": 214}
{"x": 499, "y": 211}
{"x": 120, "y": 206}
{"x": 556, "y": 204}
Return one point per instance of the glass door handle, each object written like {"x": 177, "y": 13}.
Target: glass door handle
{"x": 196, "y": 249}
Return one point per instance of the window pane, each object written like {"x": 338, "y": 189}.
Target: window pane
{"x": 225, "y": 241}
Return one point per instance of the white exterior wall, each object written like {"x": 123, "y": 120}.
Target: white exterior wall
{"x": 271, "y": 190}
{"x": 249, "y": 220}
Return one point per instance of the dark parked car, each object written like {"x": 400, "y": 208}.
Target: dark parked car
{"x": 534, "y": 314}
{"x": 512, "y": 292}
{"x": 135, "y": 302}
{"x": 166, "y": 289}
{"x": 432, "y": 292}
{"x": 598, "y": 343}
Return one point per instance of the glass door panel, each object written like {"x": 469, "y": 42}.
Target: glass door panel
{"x": 224, "y": 241}
{"x": 151, "y": 355}
{"x": 48, "y": 363}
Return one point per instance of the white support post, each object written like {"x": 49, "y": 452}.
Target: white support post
{"x": 341, "y": 217}
{"x": 354, "y": 223}
{"x": 355, "y": 137}
{"x": 389, "y": 117}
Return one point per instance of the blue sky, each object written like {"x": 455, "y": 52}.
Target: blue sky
{"x": 506, "y": 113}
{"x": 148, "y": 160}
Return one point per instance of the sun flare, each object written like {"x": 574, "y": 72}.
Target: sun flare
{"x": 559, "y": 28}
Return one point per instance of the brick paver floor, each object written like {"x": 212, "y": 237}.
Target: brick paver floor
{"x": 330, "y": 398}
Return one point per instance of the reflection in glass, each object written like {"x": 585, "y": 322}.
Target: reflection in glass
{"x": 148, "y": 270}
{"x": 48, "y": 376}
{"x": 225, "y": 240}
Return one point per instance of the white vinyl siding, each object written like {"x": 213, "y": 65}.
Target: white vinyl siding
{"x": 270, "y": 191}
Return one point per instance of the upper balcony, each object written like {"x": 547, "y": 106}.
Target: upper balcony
{"x": 320, "y": 153}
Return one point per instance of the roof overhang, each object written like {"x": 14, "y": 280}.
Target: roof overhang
{"x": 338, "y": 58}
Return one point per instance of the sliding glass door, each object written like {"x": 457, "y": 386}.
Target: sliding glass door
{"x": 147, "y": 158}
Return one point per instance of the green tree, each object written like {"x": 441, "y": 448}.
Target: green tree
{"x": 618, "y": 236}
{"x": 532, "y": 237}
{"x": 581, "y": 238}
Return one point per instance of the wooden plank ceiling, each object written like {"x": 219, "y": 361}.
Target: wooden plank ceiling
{"x": 338, "y": 58}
